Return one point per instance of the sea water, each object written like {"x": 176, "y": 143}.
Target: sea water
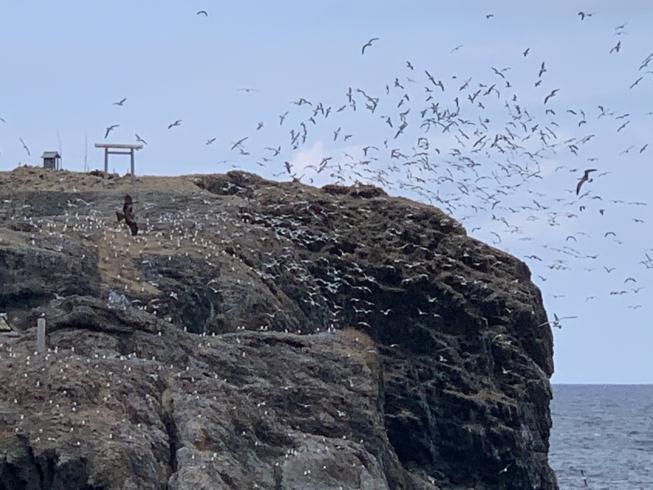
{"x": 607, "y": 432}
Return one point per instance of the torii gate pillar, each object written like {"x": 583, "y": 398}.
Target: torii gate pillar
{"x": 108, "y": 147}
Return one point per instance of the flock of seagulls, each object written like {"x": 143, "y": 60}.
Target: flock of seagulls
{"x": 477, "y": 147}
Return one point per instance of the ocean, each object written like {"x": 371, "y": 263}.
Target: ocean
{"x": 605, "y": 431}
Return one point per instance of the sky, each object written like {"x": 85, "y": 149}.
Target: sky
{"x": 292, "y": 81}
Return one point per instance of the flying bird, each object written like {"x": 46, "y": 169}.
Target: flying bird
{"x": 120, "y": 102}
{"x": 616, "y": 48}
{"x": 542, "y": 70}
{"x": 525, "y": 53}
{"x": 141, "y": 140}
{"x": 203, "y": 12}
{"x": 556, "y": 321}
{"x": 553, "y": 92}
{"x": 239, "y": 143}
{"x": 176, "y": 123}
{"x": 584, "y": 178}
{"x": 25, "y": 146}
{"x": 109, "y": 129}
{"x": 368, "y": 44}
{"x": 210, "y": 141}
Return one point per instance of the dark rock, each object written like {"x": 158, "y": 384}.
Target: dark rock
{"x": 266, "y": 335}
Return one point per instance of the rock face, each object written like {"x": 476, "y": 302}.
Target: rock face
{"x": 262, "y": 335}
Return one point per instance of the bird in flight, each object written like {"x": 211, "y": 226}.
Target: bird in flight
{"x": 553, "y": 92}
{"x": 542, "y": 70}
{"x": 209, "y": 141}
{"x": 616, "y": 48}
{"x": 584, "y": 178}
{"x": 206, "y": 14}
{"x": 248, "y": 90}
{"x": 141, "y": 140}
{"x": 239, "y": 143}
{"x": 456, "y": 48}
{"x": 556, "y": 321}
{"x": 583, "y": 15}
{"x": 120, "y": 102}
{"x": 525, "y": 53}
{"x": 25, "y": 146}
{"x": 109, "y": 129}
{"x": 368, "y": 44}
{"x": 176, "y": 123}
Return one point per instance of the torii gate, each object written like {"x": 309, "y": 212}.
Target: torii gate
{"x": 118, "y": 146}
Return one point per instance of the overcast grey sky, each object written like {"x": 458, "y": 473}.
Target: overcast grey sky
{"x": 64, "y": 65}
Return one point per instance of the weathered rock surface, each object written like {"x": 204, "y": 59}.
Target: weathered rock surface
{"x": 262, "y": 335}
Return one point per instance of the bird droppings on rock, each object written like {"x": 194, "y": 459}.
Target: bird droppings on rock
{"x": 421, "y": 358}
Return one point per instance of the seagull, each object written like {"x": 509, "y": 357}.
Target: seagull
{"x": 556, "y": 321}
{"x": 456, "y": 48}
{"x": 176, "y": 123}
{"x": 542, "y": 70}
{"x": 525, "y": 53}
{"x": 121, "y": 102}
{"x": 616, "y": 48}
{"x": 209, "y": 141}
{"x": 248, "y": 90}
{"x": 25, "y": 146}
{"x": 553, "y": 92}
{"x": 141, "y": 140}
{"x": 109, "y": 129}
{"x": 239, "y": 142}
{"x": 584, "y": 178}
{"x": 203, "y": 12}
{"x": 368, "y": 44}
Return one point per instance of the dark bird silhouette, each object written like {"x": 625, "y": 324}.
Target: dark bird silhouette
{"x": 542, "y": 70}
{"x": 120, "y": 102}
{"x": 176, "y": 123}
{"x": 368, "y": 44}
{"x": 636, "y": 82}
{"x": 206, "y": 14}
{"x": 25, "y": 146}
{"x": 239, "y": 143}
{"x": 553, "y": 92}
{"x": 525, "y": 53}
{"x": 109, "y": 129}
{"x": 616, "y": 48}
{"x": 583, "y": 15}
{"x": 140, "y": 140}
{"x": 584, "y": 178}
{"x": 128, "y": 215}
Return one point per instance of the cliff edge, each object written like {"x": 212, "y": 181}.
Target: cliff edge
{"x": 258, "y": 334}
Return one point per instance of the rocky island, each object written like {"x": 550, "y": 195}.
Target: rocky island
{"x": 258, "y": 334}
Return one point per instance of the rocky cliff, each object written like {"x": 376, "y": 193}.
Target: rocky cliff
{"x": 258, "y": 334}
